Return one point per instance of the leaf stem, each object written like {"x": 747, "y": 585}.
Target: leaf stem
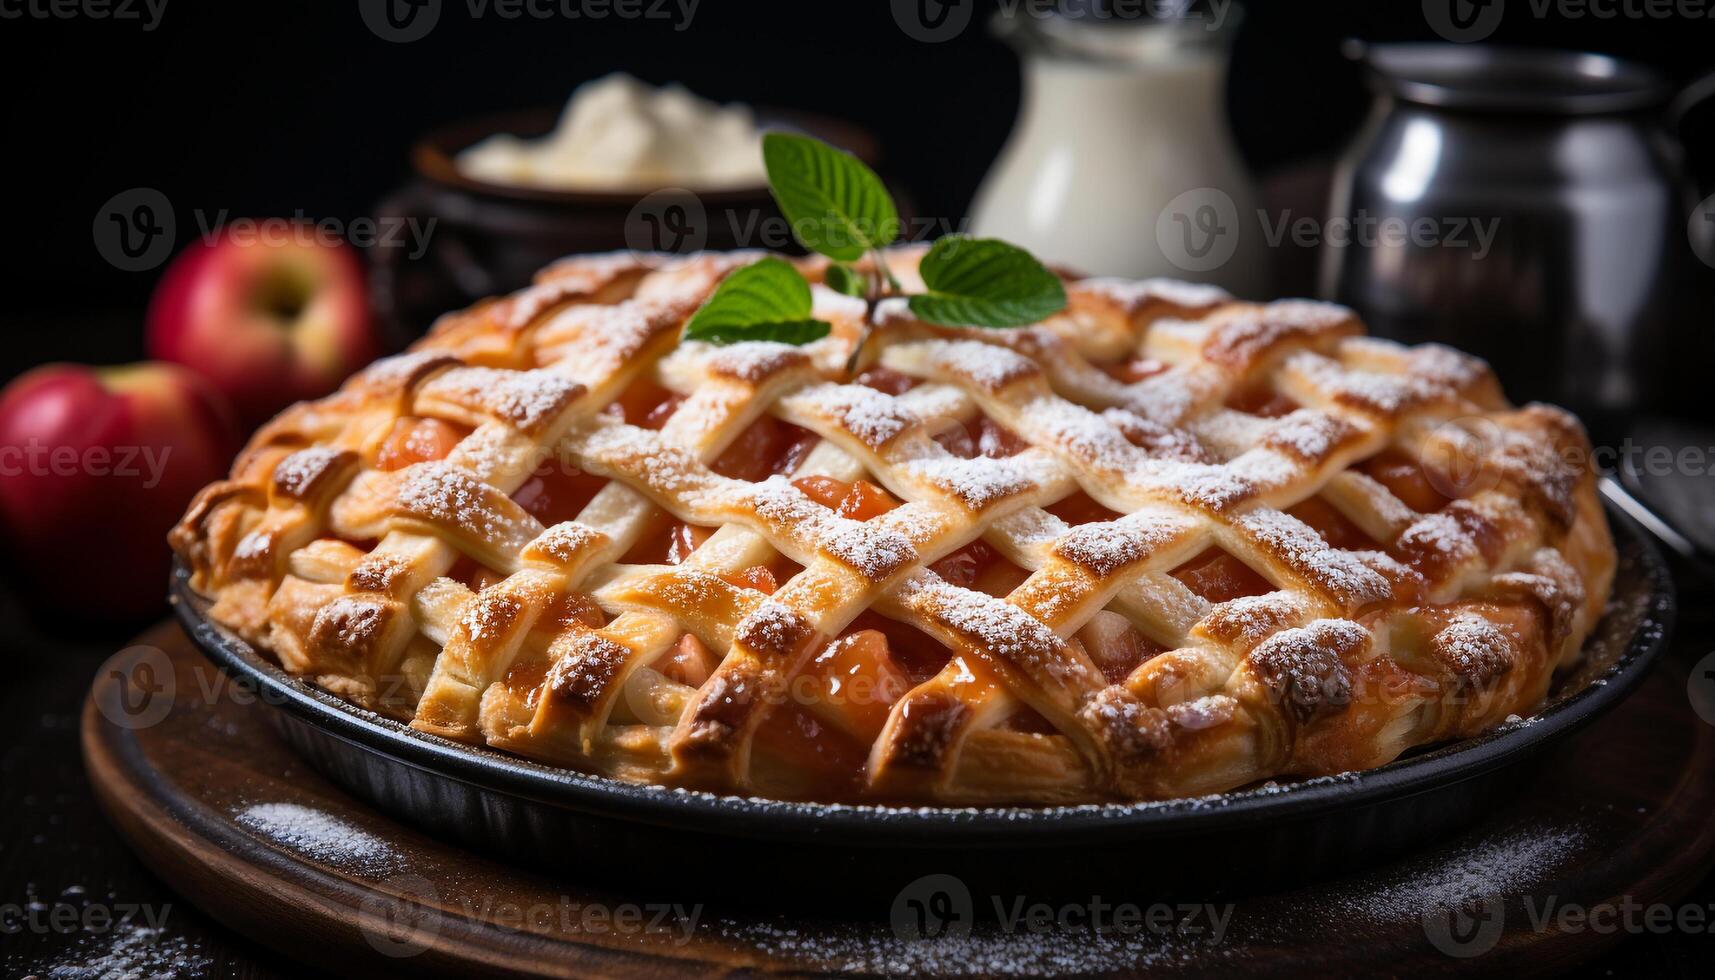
{"x": 887, "y": 274}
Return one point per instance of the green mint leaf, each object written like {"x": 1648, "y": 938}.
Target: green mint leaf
{"x": 845, "y": 279}
{"x": 767, "y": 300}
{"x": 983, "y": 282}
{"x": 834, "y": 204}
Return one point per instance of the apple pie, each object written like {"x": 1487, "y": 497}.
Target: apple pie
{"x": 1164, "y": 543}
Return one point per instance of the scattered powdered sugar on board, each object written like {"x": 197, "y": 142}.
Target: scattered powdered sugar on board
{"x": 130, "y": 952}
{"x": 320, "y": 837}
{"x": 1505, "y": 863}
{"x": 988, "y": 950}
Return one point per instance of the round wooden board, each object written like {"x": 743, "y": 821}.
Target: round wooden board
{"x": 189, "y": 770}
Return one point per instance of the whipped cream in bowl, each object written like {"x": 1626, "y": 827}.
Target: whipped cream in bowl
{"x": 620, "y": 134}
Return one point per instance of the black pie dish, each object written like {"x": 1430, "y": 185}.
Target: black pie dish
{"x": 695, "y": 846}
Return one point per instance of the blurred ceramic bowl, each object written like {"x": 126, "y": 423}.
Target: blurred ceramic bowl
{"x": 454, "y": 239}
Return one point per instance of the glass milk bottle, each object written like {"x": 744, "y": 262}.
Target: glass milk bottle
{"x": 1121, "y": 163}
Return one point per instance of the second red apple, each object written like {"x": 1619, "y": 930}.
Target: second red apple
{"x": 272, "y": 314}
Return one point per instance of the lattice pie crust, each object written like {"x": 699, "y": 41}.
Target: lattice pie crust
{"x": 553, "y": 528}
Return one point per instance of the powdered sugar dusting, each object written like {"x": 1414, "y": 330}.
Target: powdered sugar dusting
{"x": 1340, "y": 573}
{"x": 294, "y": 474}
{"x": 1105, "y": 548}
{"x": 875, "y": 552}
{"x": 527, "y": 399}
{"x": 130, "y": 952}
{"x": 872, "y": 417}
{"x": 443, "y": 493}
{"x": 999, "y": 627}
{"x": 977, "y": 482}
{"x": 321, "y": 837}
{"x": 395, "y": 371}
{"x": 1132, "y": 295}
{"x": 755, "y": 360}
{"x": 984, "y": 365}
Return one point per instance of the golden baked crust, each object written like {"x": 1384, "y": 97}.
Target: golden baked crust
{"x": 1333, "y": 548}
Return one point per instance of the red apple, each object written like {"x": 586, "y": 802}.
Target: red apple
{"x": 96, "y": 465}
{"x": 271, "y": 312}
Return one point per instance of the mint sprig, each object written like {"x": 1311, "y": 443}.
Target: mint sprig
{"x": 984, "y": 282}
{"x": 845, "y": 279}
{"x": 767, "y": 300}
{"x": 838, "y": 207}
{"x": 834, "y": 204}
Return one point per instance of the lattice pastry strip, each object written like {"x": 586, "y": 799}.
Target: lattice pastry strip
{"x": 1245, "y": 542}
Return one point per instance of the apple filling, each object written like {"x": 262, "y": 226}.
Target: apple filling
{"x": 1336, "y": 528}
{"x": 1261, "y": 400}
{"x": 1406, "y": 480}
{"x": 1219, "y": 577}
{"x": 1081, "y": 508}
{"x": 1134, "y": 370}
{"x": 418, "y": 440}
{"x": 982, "y": 436}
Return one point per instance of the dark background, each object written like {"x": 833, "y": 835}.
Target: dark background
{"x": 264, "y": 109}
{"x": 279, "y": 108}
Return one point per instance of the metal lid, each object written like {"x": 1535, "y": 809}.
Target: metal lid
{"x": 1500, "y": 79}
